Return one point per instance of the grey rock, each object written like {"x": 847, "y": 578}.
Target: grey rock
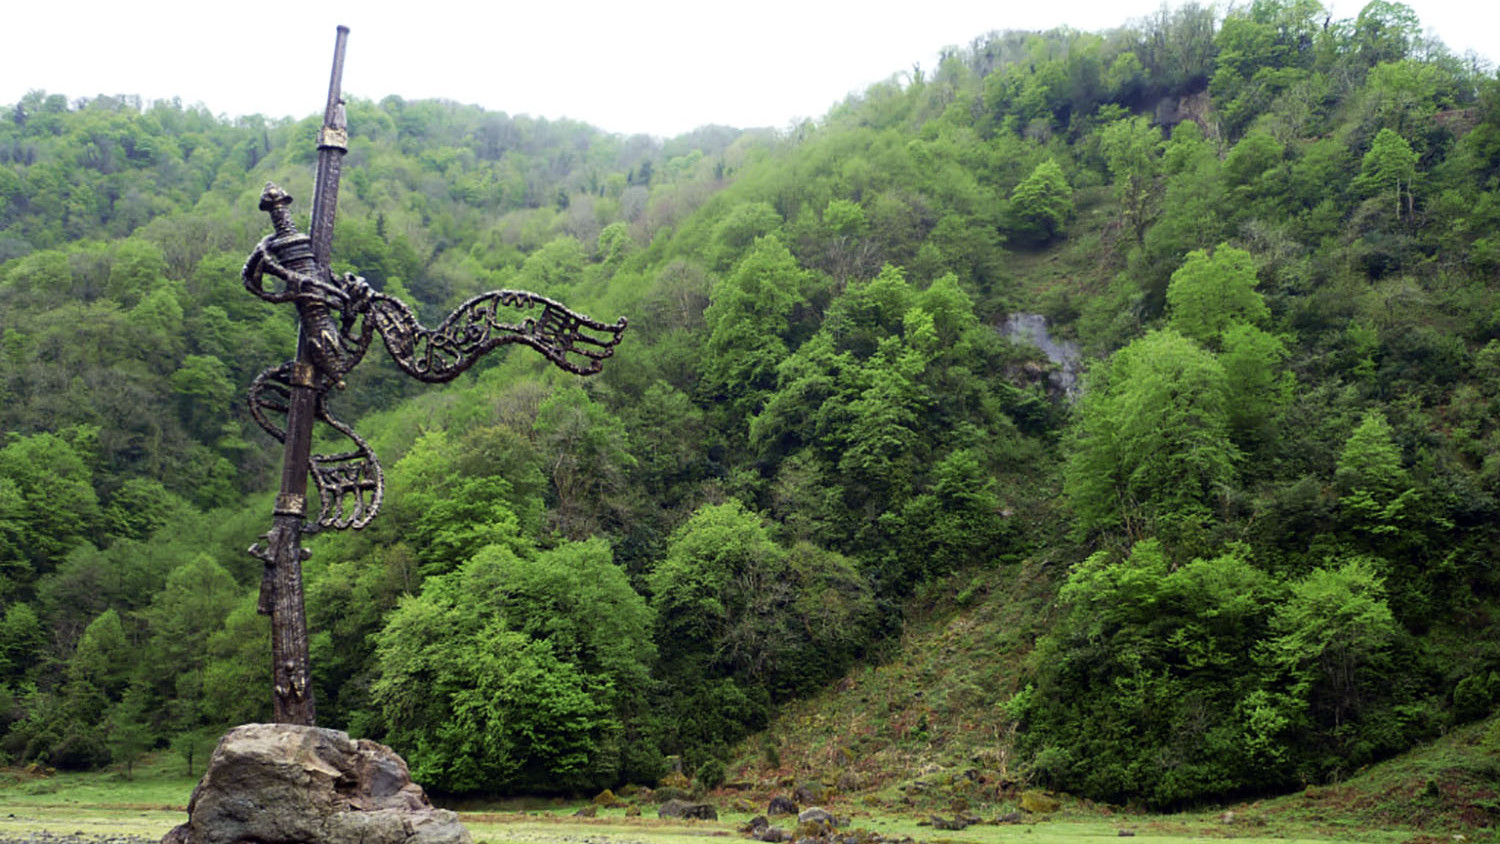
{"x": 756, "y": 824}
{"x": 684, "y": 809}
{"x": 818, "y": 815}
{"x": 782, "y": 805}
{"x": 955, "y": 824}
{"x": 809, "y": 792}
{"x": 286, "y": 783}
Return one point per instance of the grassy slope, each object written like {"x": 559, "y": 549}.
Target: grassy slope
{"x": 923, "y": 733}
{"x": 907, "y": 733}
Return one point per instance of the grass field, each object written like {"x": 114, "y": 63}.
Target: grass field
{"x": 155, "y": 801}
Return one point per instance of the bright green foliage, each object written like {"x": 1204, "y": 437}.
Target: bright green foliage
{"x": 747, "y": 321}
{"x": 452, "y": 514}
{"x": 740, "y": 618}
{"x": 552, "y": 268}
{"x": 102, "y": 658}
{"x": 50, "y": 499}
{"x": 140, "y": 507}
{"x": 1389, "y": 168}
{"x": 1259, "y": 390}
{"x": 1375, "y": 494}
{"x": 21, "y": 640}
{"x": 1042, "y": 204}
{"x": 1385, "y": 31}
{"x": 1147, "y": 685}
{"x": 138, "y": 268}
{"x": 485, "y": 689}
{"x": 1169, "y": 684}
{"x": 958, "y": 521}
{"x": 738, "y": 231}
{"x": 586, "y": 453}
{"x": 1152, "y": 448}
{"x": 204, "y": 389}
{"x": 1131, "y": 147}
{"x": 1211, "y": 292}
{"x": 845, "y": 218}
{"x": 127, "y": 731}
{"x": 1333, "y": 638}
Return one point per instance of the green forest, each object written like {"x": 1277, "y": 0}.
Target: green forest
{"x": 1266, "y": 517}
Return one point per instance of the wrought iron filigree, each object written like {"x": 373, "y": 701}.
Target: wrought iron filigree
{"x": 351, "y": 484}
{"x": 570, "y": 340}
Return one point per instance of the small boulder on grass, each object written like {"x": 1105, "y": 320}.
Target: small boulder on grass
{"x": 954, "y": 825}
{"x": 815, "y": 822}
{"x": 632, "y": 811}
{"x": 782, "y": 805}
{"x": 1039, "y": 803}
{"x": 589, "y": 811}
{"x": 809, "y": 792}
{"x": 689, "y": 811}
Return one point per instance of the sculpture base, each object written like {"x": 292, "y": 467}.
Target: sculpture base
{"x": 287, "y": 784}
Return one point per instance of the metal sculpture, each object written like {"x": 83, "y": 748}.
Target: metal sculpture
{"x": 338, "y": 317}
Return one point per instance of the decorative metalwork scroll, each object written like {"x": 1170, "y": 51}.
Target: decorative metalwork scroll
{"x": 351, "y": 484}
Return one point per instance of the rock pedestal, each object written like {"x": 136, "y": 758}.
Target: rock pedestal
{"x": 285, "y": 784}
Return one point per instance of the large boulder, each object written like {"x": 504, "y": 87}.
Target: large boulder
{"x": 286, "y": 784}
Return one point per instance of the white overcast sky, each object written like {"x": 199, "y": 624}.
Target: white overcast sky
{"x": 659, "y": 67}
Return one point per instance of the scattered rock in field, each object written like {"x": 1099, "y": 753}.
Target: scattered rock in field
{"x": 816, "y": 822}
{"x": 1126, "y": 833}
{"x": 782, "y": 805}
{"x": 690, "y": 811}
{"x": 772, "y": 835}
{"x": 632, "y": 811}
{"x": 590, "y": 811}
{"x": 1011, "y": 817}
{"x": 953, "y": 825}
{"x": 755, "y": 824}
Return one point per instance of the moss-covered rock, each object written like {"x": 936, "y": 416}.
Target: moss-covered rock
{"x": 1039, "y": 802}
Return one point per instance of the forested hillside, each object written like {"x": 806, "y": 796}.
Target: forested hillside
{"x": 1266, "y": 528}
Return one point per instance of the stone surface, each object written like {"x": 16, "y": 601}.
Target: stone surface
{"x": 782, "y": 805}
{"x": 285, "y": 784}
{"x": 1040, "y": 803}
{"x": 817, "y": 814}
{"x": 809, "y": 793}
{"x": 684, "y": 809}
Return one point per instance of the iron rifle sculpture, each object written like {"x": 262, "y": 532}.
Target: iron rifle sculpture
{"x": 337, "y": 320}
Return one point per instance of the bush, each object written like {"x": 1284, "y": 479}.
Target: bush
{"x": 710, "y": 774}
{"x": 1473, "y": 697}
